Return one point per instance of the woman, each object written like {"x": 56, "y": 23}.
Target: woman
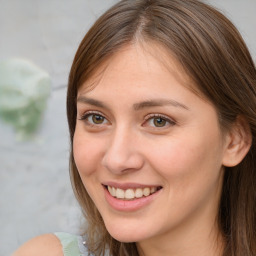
{"x": 161, "y": 109}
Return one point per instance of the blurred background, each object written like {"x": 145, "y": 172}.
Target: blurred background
{"x": 35, "y": 192}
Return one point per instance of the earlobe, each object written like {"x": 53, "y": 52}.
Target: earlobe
{"x": 238, "y": 142}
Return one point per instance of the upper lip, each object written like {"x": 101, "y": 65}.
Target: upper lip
{"x": 125, "y": 186}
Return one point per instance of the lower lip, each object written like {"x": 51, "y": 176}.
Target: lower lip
{"x": 129, "y": 205}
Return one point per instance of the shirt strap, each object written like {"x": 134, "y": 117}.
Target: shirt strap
{"x": 71, "y": 244}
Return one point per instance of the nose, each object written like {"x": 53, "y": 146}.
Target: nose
{"x": 123, "y": 154}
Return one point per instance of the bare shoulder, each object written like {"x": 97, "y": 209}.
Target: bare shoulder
{"x": 42, "y": 245}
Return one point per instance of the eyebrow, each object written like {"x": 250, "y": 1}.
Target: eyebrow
{"x": 159, "y": 103}
{"x": 91, "y": 101}
{"x": 136, "y": 106}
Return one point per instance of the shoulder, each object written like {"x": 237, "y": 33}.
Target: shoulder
{"x": 42, "y": 245}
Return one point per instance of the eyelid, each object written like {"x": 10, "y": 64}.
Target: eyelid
{"x": 91, "y": 112}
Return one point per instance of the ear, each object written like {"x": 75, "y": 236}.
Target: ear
{"x": 238, "y": 142}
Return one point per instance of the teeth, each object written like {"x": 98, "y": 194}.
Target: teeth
{"x": 153, "y": 190}
{"x": 138, "y": 193}
{"x": 119, "y": 193}
{"x": 131, "y": 193}
{"x": 113, "y": 191}
{"x": 146, "y": 191}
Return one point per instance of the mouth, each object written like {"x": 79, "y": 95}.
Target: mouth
{"x": 130, "y": 194}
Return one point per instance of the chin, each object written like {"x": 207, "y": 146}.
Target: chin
{"x": 127, "y": 234}
{"x": 124, "y": 237}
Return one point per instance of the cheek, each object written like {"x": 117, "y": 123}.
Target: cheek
{"x": 86, "y": 154}
{"x": 87, "y": 158}
{"x": 191, "y": 170}
{"x": 188, "y": 157}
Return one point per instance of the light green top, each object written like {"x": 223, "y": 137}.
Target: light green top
{"x": 72, "y": 245}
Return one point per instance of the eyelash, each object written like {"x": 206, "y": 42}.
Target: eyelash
{"x": 148, "y": 118}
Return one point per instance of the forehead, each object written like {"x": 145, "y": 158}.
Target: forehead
{"x": 148, "y": 57}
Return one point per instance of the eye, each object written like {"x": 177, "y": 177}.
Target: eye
{"x": 158, "y": 121}
{"x": 96, "y": 119}
{"x": 93, "y": 118}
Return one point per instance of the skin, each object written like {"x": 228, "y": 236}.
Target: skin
{"x": 47, "y": 244}
{"x": 184, "y": 155}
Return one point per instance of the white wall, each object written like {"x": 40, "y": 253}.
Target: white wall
{"x": 35, "y": 193}
{"x": 242, "y": 14}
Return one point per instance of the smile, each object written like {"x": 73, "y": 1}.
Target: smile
{"x": 131, "y": 193}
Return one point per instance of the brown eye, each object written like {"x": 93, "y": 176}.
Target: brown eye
{"x": 159, "y": 122}
{"x": 94, "y": 119}
{"x": 97, "y": 119}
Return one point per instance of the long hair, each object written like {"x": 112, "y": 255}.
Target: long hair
{"x": 214, "y": 55}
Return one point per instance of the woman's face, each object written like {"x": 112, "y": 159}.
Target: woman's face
{"x": 149, "y": 151}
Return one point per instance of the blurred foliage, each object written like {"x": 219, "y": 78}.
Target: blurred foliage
{"x": 24, "y": 89}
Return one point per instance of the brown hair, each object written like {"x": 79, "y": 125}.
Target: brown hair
{"x": 214, "y": 55}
